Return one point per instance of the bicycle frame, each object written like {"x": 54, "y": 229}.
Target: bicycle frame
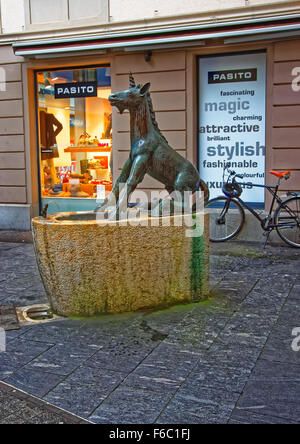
{"x": 265, "y": 221}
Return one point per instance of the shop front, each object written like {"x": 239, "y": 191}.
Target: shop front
{"x": 218, "y": 100}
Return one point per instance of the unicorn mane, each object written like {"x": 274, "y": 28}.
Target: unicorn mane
{"x": 153, "y": 118}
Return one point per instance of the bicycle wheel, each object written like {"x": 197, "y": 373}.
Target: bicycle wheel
{"x": 227, "y": 218}
{"x": 287, "y": 219}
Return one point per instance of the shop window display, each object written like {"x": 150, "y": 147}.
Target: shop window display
{"x": 75, "y": 137}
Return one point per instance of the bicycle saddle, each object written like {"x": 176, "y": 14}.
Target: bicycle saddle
{"x": 281, "y": 174}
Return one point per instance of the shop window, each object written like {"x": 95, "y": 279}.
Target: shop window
{"x": 75, "y": 137}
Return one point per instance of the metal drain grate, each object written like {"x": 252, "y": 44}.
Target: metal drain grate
{"x": 39, "y": 314}
{"x": 36, "y": 314}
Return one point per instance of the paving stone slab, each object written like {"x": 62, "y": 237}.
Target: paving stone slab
{"x": 37, "y": 383}
{"x": 62, "y": 332}
{"x": 81, "y": 400}
{"x": 279, "y": 345}
{"x": 264, "y": 303}
{"x": 105, "y": 380}
{"x": 129, "y": 406}
{"x": 234, "y": 353}
{"x": 200, "y": 328}
{"x": 164, "y": 321}
{"x": 125, "y": 362}
{"x": 62, "y": 359}
{"x": 248, "y": 328}
{"x": 19, "y": 353}
{"x": 8, "y": 318}
{"x": 218, "y": 376}
{"x": 241, "y": 416}
{"x": 204, "y": 406}
{"x": 169, "y": 361}
{"x": 15, "y": 334}
{"x": 273, "y": 390}
{"x": 156, "y": 383}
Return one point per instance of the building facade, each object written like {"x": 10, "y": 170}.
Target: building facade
{"x": 224, "y": 83}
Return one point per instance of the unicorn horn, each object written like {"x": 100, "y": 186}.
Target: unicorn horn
{"x": 131, "y": 81}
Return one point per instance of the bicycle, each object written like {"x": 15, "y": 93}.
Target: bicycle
{"x": 227, "y": 214}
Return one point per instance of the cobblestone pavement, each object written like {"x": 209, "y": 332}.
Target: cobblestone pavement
{"x": 227, "y": 360}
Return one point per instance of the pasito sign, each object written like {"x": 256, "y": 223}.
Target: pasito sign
{"x": 233, "y": 75}
{"x": 75, "y": 90}
{"x": 232, "y": 120}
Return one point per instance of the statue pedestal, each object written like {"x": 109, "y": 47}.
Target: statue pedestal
{"x": 90, "y": 267}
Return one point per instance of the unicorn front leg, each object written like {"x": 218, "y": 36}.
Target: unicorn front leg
{"x": 136, "y": 176}
{"x": 113, "y": 198}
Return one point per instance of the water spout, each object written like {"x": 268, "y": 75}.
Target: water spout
{"x": 44, "y": 212}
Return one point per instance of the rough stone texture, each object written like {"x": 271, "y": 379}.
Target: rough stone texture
{"x": 89, "y": 267}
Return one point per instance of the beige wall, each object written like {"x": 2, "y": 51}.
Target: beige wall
{"x": 64, "y": 12}
{"x": 12, "y": 16}
{"x": 123, "y": 10}
{"x": 12, "y": 149}
{"x": 286, "y": 112}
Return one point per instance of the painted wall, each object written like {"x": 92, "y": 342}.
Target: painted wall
{"x": 285, "y": 152}
{"x": 12, "y": 16}
{"x": 122, "y": 10}
{"x": 12, "y": 151}
{"x": 38, "y": 14}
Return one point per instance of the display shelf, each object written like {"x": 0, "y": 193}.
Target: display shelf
{"x": 88, "y": 149}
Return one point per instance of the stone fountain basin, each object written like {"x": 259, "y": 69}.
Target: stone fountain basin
{"x": 90, "y": 267}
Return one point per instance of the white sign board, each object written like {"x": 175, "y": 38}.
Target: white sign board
{"x": 100, "y": 192}
{"x": 232, "y": 112}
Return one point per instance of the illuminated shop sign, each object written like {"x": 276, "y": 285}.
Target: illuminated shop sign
{"x": 232, "y": 120}
{"x": 75, "y": 90}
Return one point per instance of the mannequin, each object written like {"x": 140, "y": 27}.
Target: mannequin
{"x": 48, "y": 134}
{"x": 107, "y": 126}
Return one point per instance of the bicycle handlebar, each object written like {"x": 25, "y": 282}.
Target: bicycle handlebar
{"x": 233, "y": 173}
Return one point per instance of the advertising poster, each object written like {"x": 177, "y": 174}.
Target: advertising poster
{"x": 232, "y": 108}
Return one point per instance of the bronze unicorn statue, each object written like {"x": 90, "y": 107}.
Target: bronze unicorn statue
{"x": 150, "y": 152}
